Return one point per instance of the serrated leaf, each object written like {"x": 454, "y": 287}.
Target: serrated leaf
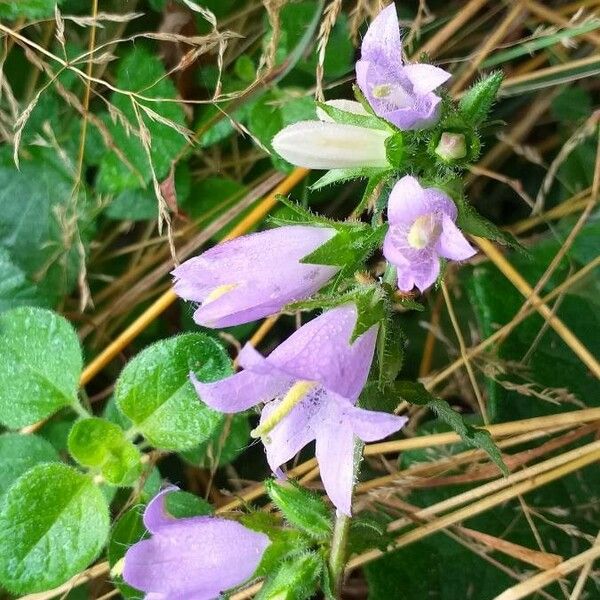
{"x": 302, "y": 508}
{"x": 416, "y": 393}
{"x": 391, "y": 342}
{"x": 181, "y": 505}
{"x": 54, "y": 522}
{"x": 344, "y": 175}
{"x": 296, "y": 579}
{"x": 19, "y": 453}
{"x": 349, "y": 118}
{"x": 478, "y": 100}
{"x": 40, "y": 364}
{"x": 99, "y": 444}
{"x": 155, "y": 392}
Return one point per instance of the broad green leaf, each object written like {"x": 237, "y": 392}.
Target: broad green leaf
{"x": 141, "y": 71}
{"x": 155, "y": 392}
{"x": 416, "y": 393}
{"x": 296, "y": 579}
{"x": 302, "y": 508}
{"x": 30, "y": 9}
{"x": 102, "y": 445}
{"x": 221, "y": 451}
{"x": 54, "y": 522}
{"x": 15, "y": 288}
{"x": 19, "y": 453}
{"x": 182, "y": 505}
{"x": 40, "y": 364}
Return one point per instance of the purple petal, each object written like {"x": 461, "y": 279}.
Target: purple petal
{"x": 276, "y": 276}
{"x": 195, "y": 558}
{"x": 241, "y": 391}
{"x": 441, "y": 203}
{"x": 407, "y": 201}
{"x": 370, "y": 425}
{"x": 452, "y": 243}
{"x": 335, "y": 452}
{"x": 156, "y": 516}
{"x": 320, "y": 351}
{"x": 382, "y": 39}
{"x": 425, "y": 78}
{"x": 422, "y": 275}
{"x": 296, "y": 430}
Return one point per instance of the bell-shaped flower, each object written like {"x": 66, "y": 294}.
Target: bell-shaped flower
{"x": 253, "y": 276}
{"x": 400, "y": 93}
{"x": 194, "y": 557}
{"x": 310, "y": 384}
{"x": 324, "y": 144}
{"x": 422, "y": 229}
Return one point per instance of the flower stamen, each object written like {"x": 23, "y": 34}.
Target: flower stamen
{"x": 424, "y": 231}
{"x": 218, "y": 292}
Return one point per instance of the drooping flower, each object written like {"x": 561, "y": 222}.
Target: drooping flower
{"x": 310, "y": 384}
{"x": 325, "y": 144}
{"x": 195, "y": 557}
{"x": 422, "y": 228}
{"x": 401, "y": 93}
{"x": 253, "y": 276}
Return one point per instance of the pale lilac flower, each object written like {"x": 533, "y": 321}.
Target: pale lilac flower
{"x": 253, "y": 276}
{"x": 401, "y": 93}
{"x": 422, "y": 228}
{"x": 310, "y": 384}
{"x": 195, "y": 557}
{"x": 324, "y": 144}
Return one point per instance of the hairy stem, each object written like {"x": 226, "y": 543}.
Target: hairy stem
{"x": 339, "y": 541}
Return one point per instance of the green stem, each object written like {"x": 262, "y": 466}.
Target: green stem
{"x": 80, "y": 410}
{"x": 339, "y": 541}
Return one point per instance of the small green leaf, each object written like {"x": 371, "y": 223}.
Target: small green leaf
{"x": 344, "y": 175}
{"x": 416, "y": 393}
{"x": 19, "y": 453}
{"x": 15, "y": 288}
{"x": 182, "y": 505}
{"x": 478, "y": 100}
{"x": 350, "y": 118}
{"x": 391, "y": 342}
{"x": 102, "y": 445}
{"x": 155, "y": 392}
{"x": 296, "y": 579}
{"x": 302, "y": 508}
{"x": 40, "y": 364}
{"x": 53, "y": 523}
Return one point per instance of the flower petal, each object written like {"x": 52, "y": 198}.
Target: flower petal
{"x": 195, "y": 558}
{"x": 422, "y": 274}
{"x": 425, "y": 78}
{"x": 350, "y": 106}
{"x": 407, "y": 201}
{"x": 241, "y": 391}
{"x": 452, "y": 243}
{"x": 320, "y": 351}
{"x": 382, "y": 41}
{"x": 156, "y": 516}
{"x": 323, "y": 145}
{"x": 371, "y": 425}
{"x": 335, "y": 454}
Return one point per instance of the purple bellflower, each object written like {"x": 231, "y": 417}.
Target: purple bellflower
{"x": 253, "y": 276}
{"x": 195, "y": 557}
{"x": 400, "y": 93}
{"x": 422, "y": 228}
{"x": 310, "y": 384}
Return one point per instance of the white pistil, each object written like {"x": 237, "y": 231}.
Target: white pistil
{"x": 295, "y": 394}
{"x": 424, "y": 231}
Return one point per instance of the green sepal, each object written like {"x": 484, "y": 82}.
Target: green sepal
{"x": 101, "y": 445}
{"x": 296, "y": 579}
{"x": 395, "y": 150}
{"x": 476, "y": 103}
{"x": 391, "y": 343}
{"x": 349, "y": 118}
{"x": 372, "y": 184}
{"x": 415, "y": 393}
{"x": 343, "y": 175}
{"x": 470, "y": 221}
{"x": 302, "y": 508}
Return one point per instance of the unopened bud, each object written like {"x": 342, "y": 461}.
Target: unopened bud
{"x": 452, "y": 146}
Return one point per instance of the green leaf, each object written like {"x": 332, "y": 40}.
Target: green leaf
{"x": 40, "y": 364}
{"x": 182, "y": 505}
{"x": 15, "y": 288}
{"x": 223, "y": 452}
{"x": 29, "y": 9}
{"x": 478, "y": 100}
{"x": 19, "y": 453}
{"x": 349, "y": 118}
{"x": 302, "y": 508}
{"x": 102, "y": 445}
{"x": 391, "y": 342}
{"x": 416, "y": 393}
{"x": 54, "y": 522}
{"x": 141, "y": 71}
{"x": 155, "y": 392}
{"x": 344, "y": 175}
{"x": 470, "y": 221}
{"x": 296, "y": 579}
{"x": 128, "y": 530}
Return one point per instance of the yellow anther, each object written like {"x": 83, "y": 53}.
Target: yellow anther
{"x": 424, "y": 231}
{"x": 382, "y": 90}
{"x": 295, "y": 394}
{"x": 218, "y": 292}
